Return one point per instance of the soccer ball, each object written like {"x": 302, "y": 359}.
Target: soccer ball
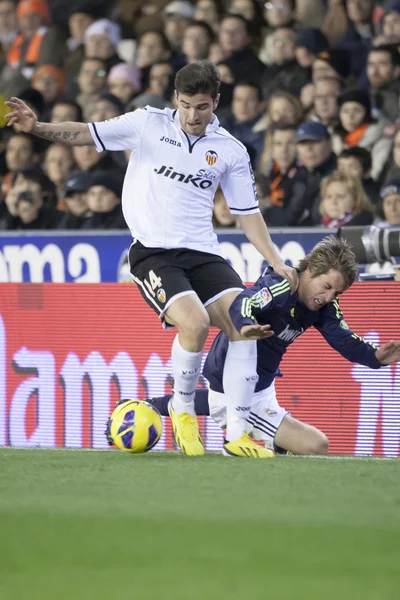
{"x": 134, "y": 426}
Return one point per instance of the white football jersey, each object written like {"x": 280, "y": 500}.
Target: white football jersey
{"x": 170, "y": 183}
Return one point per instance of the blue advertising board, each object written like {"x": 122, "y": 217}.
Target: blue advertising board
{"x": 102, "y": 257}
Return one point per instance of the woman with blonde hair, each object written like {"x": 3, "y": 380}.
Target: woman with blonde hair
{"x": 344, "y": 202}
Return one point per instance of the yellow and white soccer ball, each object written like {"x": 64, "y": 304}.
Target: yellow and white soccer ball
{"x": 134, "y": 426}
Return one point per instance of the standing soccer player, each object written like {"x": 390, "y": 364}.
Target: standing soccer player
{"x": 178, "y": 160}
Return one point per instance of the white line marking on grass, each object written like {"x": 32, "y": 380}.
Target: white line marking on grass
{"x": 322, "y": 457}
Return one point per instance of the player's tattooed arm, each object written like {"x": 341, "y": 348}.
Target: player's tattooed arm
{"x": 72, "y": 134}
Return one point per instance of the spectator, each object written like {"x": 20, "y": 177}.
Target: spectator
{"x": 34, "y": 198}
{"x": 104, "y": 202}
{"x": 101, "y": 41}
{"x": 148, "y": 99}
{"x": 326, "y": 108}
{"x": 392, "y": 170}
{"x": 153, "y": 47}
{"x": 247, "y": 108}
{"x": 344, "y": 202}
{"x": 360, "y": 31}
{"x": 278, "y": 13}
{"x": 92, "y": 80}
{"x": 8, "y": 24}
{"x": 284, "y": 72}
{"x": 234, "y": 39}
{"x": 66, "y": 110}
{"x": 282, "y": 108}
{"x": 308, "y": 44}
{"x": 225, "y": 90}
{"x": 36, "y": 44}
{"x": 197, "y": 39}
{"x": 50, "y": 82}
{"x": 177, "y": 15}
{"x": 58, "y": 163}
{"x": 106, "y": 107}
{"x": 390, "y": 21}
{"x": 74, "y": 196}
{"x": 331, "y": 63}
{"x": 357, "y": 127}
{"x": 161, "y": 79}
{"x": 209, "y": 11}
{"x": 20, "y": 153}
{"x": 389, "y": 209}
{"x": 222, "y": 216}
{"x": 89, "y": 160}
{"x": 82, "y": 15}
{"x": 124, "y": 82}
{"x": 252, "y": 11}
{"x": 287, "y": 188}
{"x": 383, "y": 70}
{"x": 357, "y": 162}
{"x": 314, "y": 148}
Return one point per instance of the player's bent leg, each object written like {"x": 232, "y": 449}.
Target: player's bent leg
{"x": 240, "y": 369}
{"x": 301, "y": 438}
{"x": 192, "y": 321}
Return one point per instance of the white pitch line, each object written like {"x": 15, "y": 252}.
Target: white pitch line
{"x": 319, "y": 456}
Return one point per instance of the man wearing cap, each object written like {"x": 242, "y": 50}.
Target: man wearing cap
{"x": 82, "y": 15}
{"x": 334, "y": 62}
{"x": 35, "y": 45}
{"x": 104, "y": 202}
{"x": 309, "y": 43}
{"x": 177, "y": 16}
{"x": 74, "y": 196}
{"x": 101, "y": 41}
{"x": 314, "y": 148}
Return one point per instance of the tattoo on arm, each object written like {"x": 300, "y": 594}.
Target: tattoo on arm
{"x": 51, "y": 135}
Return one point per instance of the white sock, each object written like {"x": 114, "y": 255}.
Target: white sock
{"x": 186, "y": 368}
{"x": 239, "y": 381}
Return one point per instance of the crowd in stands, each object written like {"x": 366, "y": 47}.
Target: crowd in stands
{"x": 310, "y": 87}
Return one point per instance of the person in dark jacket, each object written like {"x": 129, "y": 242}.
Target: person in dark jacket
{"x": 287, "y": 188}
{"x": 234, "y": 39}
{"x": 284, "y": 72}
{"x": 383, "y": 71}
{"x": 247, "y": 108}
{"x": 104, "y": 202}
{"x": 360, "y": 32}
{"x": 75, "y": 198}
{"x": 314, "y": 148}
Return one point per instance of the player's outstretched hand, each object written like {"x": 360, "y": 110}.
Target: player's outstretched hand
{"x": 388, "y": 353}
{"x": 21, "y": 114}
{"x": 256, "y": 331}
{"x": 288, "y": 273}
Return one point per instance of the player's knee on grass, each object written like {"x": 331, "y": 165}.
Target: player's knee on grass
{"x": 301, "y": 438}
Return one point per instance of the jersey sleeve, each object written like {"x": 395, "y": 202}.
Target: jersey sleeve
{"x": 120, "y": 133}
{"x": 239, "y": 188}
{"x": 341, "y": 338}
{"x": 267, "y": 293}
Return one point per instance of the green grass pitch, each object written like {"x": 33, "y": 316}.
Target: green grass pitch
{"x": 78, "y": 525}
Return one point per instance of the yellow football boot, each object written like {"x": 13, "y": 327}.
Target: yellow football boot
{"x": 247, "y": 448}
{"x": 186, "y": 432}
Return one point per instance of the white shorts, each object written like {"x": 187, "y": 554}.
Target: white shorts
{"x": 265, "y": 415}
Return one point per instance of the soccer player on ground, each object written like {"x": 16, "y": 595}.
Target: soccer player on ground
{"x": 178, "y": 160}
{"x": 325, "y": 273}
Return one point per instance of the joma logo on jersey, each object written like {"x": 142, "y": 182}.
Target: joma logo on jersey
{"x": 169, "y": 141}
{"x": 288, "y": 335}
{"x": 198, "y": 182}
